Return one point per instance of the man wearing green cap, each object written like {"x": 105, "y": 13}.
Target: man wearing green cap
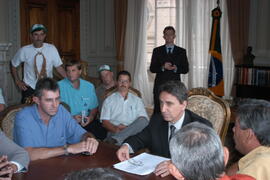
{"x": 39, "y": 58}
{"x": 106, "y": 77}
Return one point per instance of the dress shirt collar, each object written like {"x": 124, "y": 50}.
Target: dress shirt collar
{"x": 178, "y": 123}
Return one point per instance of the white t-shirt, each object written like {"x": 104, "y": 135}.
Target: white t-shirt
{"x": 120, "y": 111}
{"x": 27, "y": 53}
{"x": 2, "y": 100}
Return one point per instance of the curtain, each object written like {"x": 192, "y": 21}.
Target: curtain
{"x": 193, "y": 26}
{"x": 238, "y": 13}
{"x": 120, "y": 14}
{"x": 135, "y": 48}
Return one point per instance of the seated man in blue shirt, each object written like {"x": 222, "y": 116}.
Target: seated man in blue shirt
{"x": 46, "y": 129}
{"x": 79, "y": 94}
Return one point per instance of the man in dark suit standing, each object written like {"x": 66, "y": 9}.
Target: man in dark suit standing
{"x": 162, "y": 126}
{"x": 168, "y": 62}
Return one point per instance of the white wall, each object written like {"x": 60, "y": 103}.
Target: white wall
{"x": 9, "y": 43}
{"x": 97, "y": 34}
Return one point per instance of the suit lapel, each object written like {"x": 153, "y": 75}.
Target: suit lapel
{"x": 187, "y": 118}
{"x": 164, "y": 137}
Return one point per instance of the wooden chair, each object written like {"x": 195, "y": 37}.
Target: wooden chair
{"x": 7, "y": 121}
{"x": 206, "y": 104}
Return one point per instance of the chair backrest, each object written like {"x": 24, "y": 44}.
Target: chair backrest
{"x": 114, "y": 89}
{"x": 94, "y": 80}
{"x": 7, "y": 122}
{"x": 132, "y": 90}
{"x": 207, "y": 105}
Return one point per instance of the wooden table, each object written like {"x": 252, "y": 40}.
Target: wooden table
{"x": 56, "y": 168}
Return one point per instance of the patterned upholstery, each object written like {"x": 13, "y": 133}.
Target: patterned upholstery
{"x": 114, "y": 89}
{"x": 204, "y": 103}
{"x": 7, "y": 121}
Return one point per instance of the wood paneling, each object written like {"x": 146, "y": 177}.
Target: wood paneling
{"x": 62, "y": 19}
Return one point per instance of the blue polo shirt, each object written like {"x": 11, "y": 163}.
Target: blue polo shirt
{"x": 30, "y": 131}
{"x": 80, "y": 99}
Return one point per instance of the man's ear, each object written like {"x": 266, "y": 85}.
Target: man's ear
{"x": 226, "y": 155}
{"x": 184, "y": 104}
{"x": 36, "y": 99}
{"x": 175, "y": 172}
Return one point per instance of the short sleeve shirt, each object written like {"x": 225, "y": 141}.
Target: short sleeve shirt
{"x": 120, "y": 111}
{"x": 80, "y": 99}
{"x": 30, "y": 131}
{"x": 27, "y": 54}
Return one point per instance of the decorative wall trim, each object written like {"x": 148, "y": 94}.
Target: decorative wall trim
{"x": 3, "y": 51}
{"x": 97, "y": 33}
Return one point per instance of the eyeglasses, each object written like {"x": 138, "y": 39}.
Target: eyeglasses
{"x": 135, "y": 162}
{"x": 123, "y": 81}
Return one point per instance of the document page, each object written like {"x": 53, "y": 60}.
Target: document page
{"x": 142, "y": 164}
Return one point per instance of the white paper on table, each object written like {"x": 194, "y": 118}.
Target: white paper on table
{"x": 149, "y": 163}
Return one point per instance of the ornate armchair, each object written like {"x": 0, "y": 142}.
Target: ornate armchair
{"x": 114, "y": 89}
{"x": 206, "y": 104}
{"x": 7, "y": 121}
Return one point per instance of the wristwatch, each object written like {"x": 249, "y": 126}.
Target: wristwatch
{"x": 66, "y": 149}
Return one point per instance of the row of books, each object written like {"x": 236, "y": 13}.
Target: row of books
{"x": 252, "y": 76}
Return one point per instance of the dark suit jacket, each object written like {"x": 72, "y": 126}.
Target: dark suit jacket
{"x": 160, "y": 56}
{"x": 155, "y": 135}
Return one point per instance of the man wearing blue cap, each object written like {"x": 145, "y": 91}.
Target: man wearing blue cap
{"x": 39, "y": 58}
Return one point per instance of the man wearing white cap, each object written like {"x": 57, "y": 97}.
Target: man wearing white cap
{"x": 39, "y": 58}
{"x": 106, "y": 76}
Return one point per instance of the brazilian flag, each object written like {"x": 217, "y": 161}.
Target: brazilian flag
{"x": 215, "y": 77}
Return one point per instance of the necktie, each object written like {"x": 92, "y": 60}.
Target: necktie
{"x": 169, "y": 50}
{"x": 172, "y": 128}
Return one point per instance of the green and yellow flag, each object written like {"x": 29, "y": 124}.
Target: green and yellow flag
{"x": 215, "y": 77}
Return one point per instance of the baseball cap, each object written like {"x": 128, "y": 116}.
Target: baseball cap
{"x": 104, "y": 67}
{"x": 38, "y": 27}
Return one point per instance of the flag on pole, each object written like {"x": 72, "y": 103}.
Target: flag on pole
{"x": 215, "y": 77}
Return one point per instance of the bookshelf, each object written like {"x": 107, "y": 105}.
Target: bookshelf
{"x": 252, "y": 81}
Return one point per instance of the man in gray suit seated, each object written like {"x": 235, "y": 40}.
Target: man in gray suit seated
{"x": 13, "y": 158}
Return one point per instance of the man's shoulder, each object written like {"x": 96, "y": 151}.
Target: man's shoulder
{"x": 26, "y": 47}
{"x": 87, "y": 83}
{"x": 159, "y": 47}
{"x": 48, "y": 45}
{"x": 27, "y": 109}
{"x": 192, "y": 117}
{"x": 113, "y": 96}
{"x": 63, "y": 84}
{"x": 259, "y": 155}
{"x": 26, "y": 112}
{"x": 157, "y": 120}
{"x": 179, "y": 48}
{"x": 133, "y": 96}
